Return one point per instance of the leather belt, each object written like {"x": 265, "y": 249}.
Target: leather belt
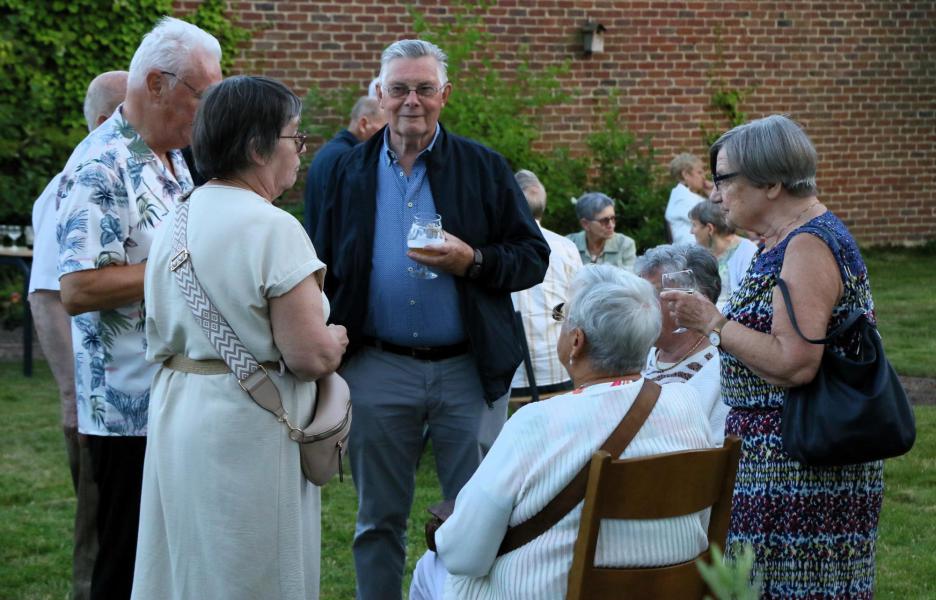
{"x": 178, "y": 362}
{"x": 419, "y": 352}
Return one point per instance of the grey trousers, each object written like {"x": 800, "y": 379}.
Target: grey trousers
{"x": 394, "y": 397}
{"x": 53, "y": 327}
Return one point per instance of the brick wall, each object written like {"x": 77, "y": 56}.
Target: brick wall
{"x": 860, "y": 75}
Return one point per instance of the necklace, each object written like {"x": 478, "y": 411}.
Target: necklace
{"x": 783, "y": 229}
{"x": 684, "y": 356}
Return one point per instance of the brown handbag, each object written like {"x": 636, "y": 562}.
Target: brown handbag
{"x": 573, "y": 493}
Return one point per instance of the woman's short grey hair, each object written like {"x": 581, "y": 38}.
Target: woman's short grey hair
{"x": 533, "y": 191}
{"x": 414, "y": 49}
{"x": 169, "y": 47}
{"x": 238, "y": 117}
{"x": 590, "y": 204}
{"x": 619, "y": 314}
{"x": 678, "y": 257}
{"x": 680, "y": 164}
{"x": 709, "y": 213}
{"x": 768, "y": 151}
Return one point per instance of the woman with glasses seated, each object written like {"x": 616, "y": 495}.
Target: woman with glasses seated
{"x": 225, "y": 510}
{"x": 679, "y": 354}
{"x": 608, "y": 326}
{"x": 597, "y": 242}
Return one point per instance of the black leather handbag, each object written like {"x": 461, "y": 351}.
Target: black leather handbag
{"x": 855, "y": 410}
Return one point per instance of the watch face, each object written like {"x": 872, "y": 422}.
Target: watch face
{"x": 714, "y": 339}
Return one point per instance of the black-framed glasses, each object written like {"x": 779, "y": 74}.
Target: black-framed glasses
{"x": 299, "y": 139}
{"x": 425, "y": 90}
{"x": 718, "y": 179}
{"x": 557, "y": 313}
{"x": 606, "y": 221}
{"x": 195, "y": 92}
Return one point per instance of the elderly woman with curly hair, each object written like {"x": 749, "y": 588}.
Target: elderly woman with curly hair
{"x": 608, "y": 326}
{"x": 813, "y": 529}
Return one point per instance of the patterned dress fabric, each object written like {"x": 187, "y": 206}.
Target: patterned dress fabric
{"x": 113, "y": 196}
{"x": 813, "y": 528}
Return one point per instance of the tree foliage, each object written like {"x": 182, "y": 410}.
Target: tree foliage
{"x": 49, "y": 52}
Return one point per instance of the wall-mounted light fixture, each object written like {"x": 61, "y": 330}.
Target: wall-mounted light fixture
{"x": 593, "y": 38}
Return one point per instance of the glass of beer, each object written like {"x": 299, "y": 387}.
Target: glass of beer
{"x": 425, "y": 232}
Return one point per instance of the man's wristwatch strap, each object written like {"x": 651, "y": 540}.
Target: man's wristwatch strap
{"x": 474, "y": 271}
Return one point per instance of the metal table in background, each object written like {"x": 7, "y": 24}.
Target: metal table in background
{"x": 21, "y": 258}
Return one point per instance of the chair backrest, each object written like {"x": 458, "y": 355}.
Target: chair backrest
{"x": 652, "y": 487}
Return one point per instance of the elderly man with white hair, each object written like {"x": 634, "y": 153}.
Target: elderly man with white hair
{"x": 117, "y": 187}
{"x": 608, "y": 326}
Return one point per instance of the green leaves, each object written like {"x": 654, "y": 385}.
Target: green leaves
{"x": 731, "y": 579}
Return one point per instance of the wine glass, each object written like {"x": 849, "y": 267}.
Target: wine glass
{"x": 14, "y": 232}
{"x": 425, "y": 232}
{"x": 7, "y": 232}
{"x": 679, "y": 281}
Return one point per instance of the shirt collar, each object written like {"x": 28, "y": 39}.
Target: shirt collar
{"x": 392, "y": 156}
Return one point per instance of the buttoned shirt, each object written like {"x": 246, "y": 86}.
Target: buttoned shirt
{"x": 114, "y": 194}
{"x": 405, "y": 310}
{"x": 535, "y": 307}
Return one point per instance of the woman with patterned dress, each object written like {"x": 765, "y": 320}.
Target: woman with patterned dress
{"x": 813, "y": 529}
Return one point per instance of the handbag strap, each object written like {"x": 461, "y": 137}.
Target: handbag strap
{"x": 250, "y": 375}
{"x": 573, "y": 493}
{"x": 853, "y": 316}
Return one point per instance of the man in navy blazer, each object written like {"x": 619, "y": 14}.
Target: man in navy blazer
{"x": 439, "y": 352}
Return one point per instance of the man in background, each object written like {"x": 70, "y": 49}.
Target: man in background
{"x": 366, "y": 119}
{"x": 53, "y": 327}
{"x": 536, "y": 304}
{"x": 120, "y": 183}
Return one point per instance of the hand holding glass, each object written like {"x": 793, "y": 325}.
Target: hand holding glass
{"x": 425, "y": 232}
{"x": 679, "y": 281}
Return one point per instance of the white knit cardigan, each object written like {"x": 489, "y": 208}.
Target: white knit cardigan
{"x": 537, "y": 453}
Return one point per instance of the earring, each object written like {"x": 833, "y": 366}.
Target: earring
{"x": 571, "y": 360}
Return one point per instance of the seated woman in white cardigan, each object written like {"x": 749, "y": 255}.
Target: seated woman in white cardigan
{"x": 609, "y": 326}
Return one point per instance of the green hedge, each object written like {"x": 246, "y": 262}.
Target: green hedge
{"x": 50, "y": 50}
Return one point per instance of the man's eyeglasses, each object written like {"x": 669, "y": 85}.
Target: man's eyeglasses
{"x": 402, "y": 91}
{"x": 606, "y": 221}
{"x": 718, "y": 179}
{"x": 299, "y": 139}
{"x": 195, "y": 92}
{"x": 557, "y": 313}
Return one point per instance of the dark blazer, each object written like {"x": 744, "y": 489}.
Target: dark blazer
{"x": 320, "y": 171}
{"x": 479, "y": 201}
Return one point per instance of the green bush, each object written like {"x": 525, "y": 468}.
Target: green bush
{"x": 50, "y": 51}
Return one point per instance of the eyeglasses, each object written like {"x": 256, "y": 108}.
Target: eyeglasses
{"x": 718, "y": 179}
{"x": 557, "y": 313}
{"x": 195, "y": 92}
{"x": 402, "y": 91}
{"x": 606, "y": 221}
{"x": 299, "y": 139}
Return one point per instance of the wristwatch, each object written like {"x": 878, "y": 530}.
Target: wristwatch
{"x": 474, "y": 271}
{"x": 714, "y": 336}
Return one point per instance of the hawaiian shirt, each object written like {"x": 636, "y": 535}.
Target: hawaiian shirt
{"x": 112, "y": 198}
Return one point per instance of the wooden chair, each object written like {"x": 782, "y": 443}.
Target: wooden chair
{"x": 652, "y": 487}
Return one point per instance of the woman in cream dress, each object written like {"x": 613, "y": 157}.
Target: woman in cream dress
{"x": 225, "y": 511}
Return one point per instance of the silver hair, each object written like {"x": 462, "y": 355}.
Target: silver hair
{"x": 709, "y": 213}
{"x": 677, "y": 257}
{"x": 619, "y": 314}
{"x": 414, "y": 49}
{"x": 364, "y": 107}
{"x": 590, "y": 204}
{"x": 533, "y": 190}
{"x": 682, "y": 162}
{"x": 771, "y": 150}
{"x": 372, "y": 88}
{"x": 104, "y": 95}
{"x": 169, "y": 47}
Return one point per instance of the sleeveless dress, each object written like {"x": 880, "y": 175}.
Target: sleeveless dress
{"x": 813, "y": 529}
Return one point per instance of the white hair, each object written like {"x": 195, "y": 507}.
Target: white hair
{"x": 414, "y": 49}
{"x": 372, "y": 88}
{"x": 619, "y": 314}
{"x": 169, "y": 47}
{"x": 104, "y": 95}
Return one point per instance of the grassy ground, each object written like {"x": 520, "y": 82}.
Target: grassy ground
{"x": 36, "y": 505}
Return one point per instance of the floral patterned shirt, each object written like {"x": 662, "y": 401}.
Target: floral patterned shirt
{"x": 112, "y": 198}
